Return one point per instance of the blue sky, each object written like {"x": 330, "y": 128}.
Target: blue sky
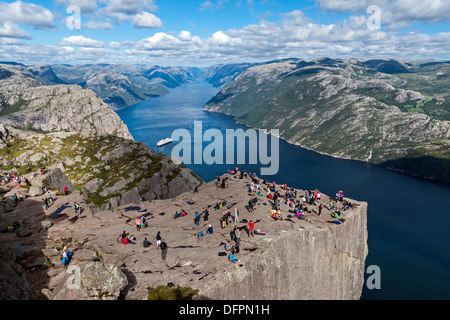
{"x": 206, "y": 32}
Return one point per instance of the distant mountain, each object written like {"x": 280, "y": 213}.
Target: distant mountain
{"x": 220, "y": 75}
{"x": 389, "y": 112}
{"x": 72, "y": 128}
{"x": 124, "y": 85}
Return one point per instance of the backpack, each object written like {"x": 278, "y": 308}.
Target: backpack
{"x": 163, "y": 246}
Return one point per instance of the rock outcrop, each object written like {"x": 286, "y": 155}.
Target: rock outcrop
{"x": 66, "y": 108}
{"x": 14, "y": 283}
{"x": 308, "y": 263}
{"x": 75, "y": 133}
{"x": 91, "y": 281}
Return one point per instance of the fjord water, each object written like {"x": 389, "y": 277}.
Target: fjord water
{"x": 408, "y": 217}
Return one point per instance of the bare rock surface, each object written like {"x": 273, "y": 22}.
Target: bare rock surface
{"x": 296, "y": 259}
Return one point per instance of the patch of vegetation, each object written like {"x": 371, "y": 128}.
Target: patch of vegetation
{"x": 171, "y": 293}
{"x": 8, "y": 109}
{"x": 175, "y": 173}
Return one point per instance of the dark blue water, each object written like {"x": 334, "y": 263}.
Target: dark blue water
{"x": 408, "y": 217}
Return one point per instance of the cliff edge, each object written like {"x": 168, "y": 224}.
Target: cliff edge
{"x": 296, "y": 259}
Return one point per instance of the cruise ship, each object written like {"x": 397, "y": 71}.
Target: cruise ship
{"x": 163, "y": 142}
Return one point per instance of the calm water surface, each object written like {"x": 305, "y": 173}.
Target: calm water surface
{"x": 408, "y": 217}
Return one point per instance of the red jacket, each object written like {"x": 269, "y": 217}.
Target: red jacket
{"x": 251, "y": 225}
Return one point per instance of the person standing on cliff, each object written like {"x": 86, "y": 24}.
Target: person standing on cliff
{"x": 158, "y": 240}
{"x": 320, "y": 209}
{"x": 196, "y": 188}
{"x": 251, "y": 226}
{"x": 205, "y": 214}
{"x": 237, "y": 234}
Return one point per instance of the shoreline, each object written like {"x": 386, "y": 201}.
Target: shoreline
{"x": 430, "y": 179}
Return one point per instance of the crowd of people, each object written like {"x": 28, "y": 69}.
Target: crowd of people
{"x": 280, "y": 198}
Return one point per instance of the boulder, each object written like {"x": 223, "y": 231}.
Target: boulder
{"x": 131, "y": 196}
{"x": 7, "y": 205}
{"x": 45, "y": 225}
{"x": 23, "y": 232}
{"x": 7, "y": 220}
{"x": 38, "y": 263}
{"x": 93, "y": 185}
{"x": 91, "y": 281}
{"x": 50, "y": 252}
{"x": 56, "y": 178}
{"x": 35, "y": 158}
{"x": 35, "y": 191}
{"x": 84, "y": 255}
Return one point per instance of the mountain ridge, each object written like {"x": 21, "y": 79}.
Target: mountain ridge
{"x": 348, "y": 108}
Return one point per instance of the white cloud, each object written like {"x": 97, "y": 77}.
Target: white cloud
{"x": 146, "y": 20}
{"x": 10, "y": 41}
{"x": 295, "y": 35}
{"x": 27, "y": 14}
{"x": 93, "y": 25}
{"x": 221, "y": 38}
{"x": 185, "y": 36}
{"x": 124, "y": 9}
{"x": 86, "y": 6}
{"x": 121, "y": 45}
{"x": 81, "y": 41}
{"x": 395, "y": 14}
{"x": 11, "y": 30}
{"x": 207, "y": 5}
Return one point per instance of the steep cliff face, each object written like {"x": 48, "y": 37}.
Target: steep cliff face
{"x": 309, "y": 262}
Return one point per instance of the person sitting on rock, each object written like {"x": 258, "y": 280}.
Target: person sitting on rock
{"x": 235, "y": 260}
{"x": 277, "y": 215}
{"x": 228, "y": 246}
{"x": 209, "y": 230}
{"x": 129, "y": 239}
{"x": 66, "y": 255}
{"x": 199, "y": 234}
